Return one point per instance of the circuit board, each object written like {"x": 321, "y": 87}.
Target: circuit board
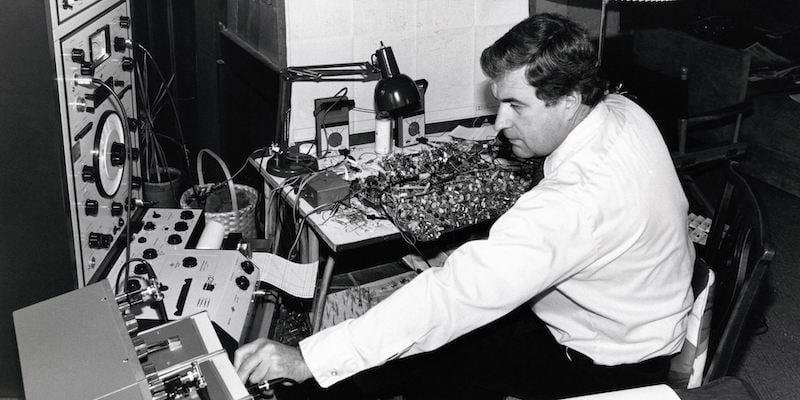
{"x": 446, "y": 187}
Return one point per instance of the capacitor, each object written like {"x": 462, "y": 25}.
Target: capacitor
{"x": 383, "y": 133}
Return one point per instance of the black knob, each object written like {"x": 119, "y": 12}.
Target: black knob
{"x": 132, "y": 285}
{"x": 181, "y": 226}
{"x": 248, "y": 267}
{"x": 91, "y": 207}
{"x": 174, "y": 239}
{"x": 127, "y": 64}
{"x": 242, "y": 282}
{"x": 99, "y": 240}
{"x": 87, "y": 173}
{"x": 78, "y": 55}
{"x": 140, "y": 269}
{"x": 117, "y": 154}
{"x": 119, "y": 44}
{"x": 136, "y": 182}
{"x": 187, "y": 214}
{"x": 149, "y": 254}
{"x": 189, "y": 262}
{"x": 149, "y": 226}
{"x": 124, "y": 21}
{"x": 116, "y": 209}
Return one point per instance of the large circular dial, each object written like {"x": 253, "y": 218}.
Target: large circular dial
{"x": 108, "y": 138}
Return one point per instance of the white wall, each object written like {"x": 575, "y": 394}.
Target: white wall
{"x": 437, "y": 40}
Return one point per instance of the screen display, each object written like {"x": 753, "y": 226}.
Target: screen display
{"x": 100, "y": 46}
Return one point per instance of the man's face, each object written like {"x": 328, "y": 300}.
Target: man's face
{"x": 533, "y": 128}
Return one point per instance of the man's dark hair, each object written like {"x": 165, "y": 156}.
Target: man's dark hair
{"x": 556, "y": 53}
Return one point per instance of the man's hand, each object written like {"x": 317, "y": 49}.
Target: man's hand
{"x": 262, "y": 360}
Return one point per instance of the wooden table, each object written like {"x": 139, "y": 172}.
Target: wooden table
{"x": 320, "y": 226}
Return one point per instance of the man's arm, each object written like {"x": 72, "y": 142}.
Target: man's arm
{"x": 543, "y": 239}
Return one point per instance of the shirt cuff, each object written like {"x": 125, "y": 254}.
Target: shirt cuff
{"x": 330, "y": 355}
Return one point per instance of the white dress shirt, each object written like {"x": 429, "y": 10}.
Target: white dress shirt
{"x": 599, "y": 248}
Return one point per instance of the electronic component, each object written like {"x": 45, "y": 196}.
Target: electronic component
{"x": 64, "y": 227}
{"x": 325, "y": 188}
{"x": 289, "y": 325}
{"x": 93, "y": 128}
{"x": 354, "y": 301}
{"x": 446, "y": 187}
{"x": 332, "y": 124}
{"x": 80, "y": 345}
{"x": 220, "y": 282}
{"x": 411, "y": 125}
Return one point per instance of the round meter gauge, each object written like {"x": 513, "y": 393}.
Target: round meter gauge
{"x": 108, "y": 154}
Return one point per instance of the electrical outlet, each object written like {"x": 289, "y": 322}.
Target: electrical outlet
{"x": 332, "y": 121}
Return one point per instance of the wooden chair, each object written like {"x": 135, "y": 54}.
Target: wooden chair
{"x": 694, "y": 89}
{"x": 739, "y": 252}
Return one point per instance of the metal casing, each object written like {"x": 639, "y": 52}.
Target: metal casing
{"x": 76, "y": 346}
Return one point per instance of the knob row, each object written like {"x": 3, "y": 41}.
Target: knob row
{"x": 92, "y": 208}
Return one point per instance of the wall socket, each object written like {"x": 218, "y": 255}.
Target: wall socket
{"x": 332, "y": 122}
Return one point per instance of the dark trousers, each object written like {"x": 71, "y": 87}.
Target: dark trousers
{"x": 515, "y": 355}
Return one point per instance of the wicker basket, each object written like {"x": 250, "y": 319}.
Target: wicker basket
{"x": 240, "y": 220}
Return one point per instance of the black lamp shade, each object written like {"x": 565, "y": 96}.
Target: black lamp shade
{"x": 396, "y": 94}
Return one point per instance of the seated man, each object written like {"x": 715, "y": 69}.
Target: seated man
{"x": 582, "y": 286}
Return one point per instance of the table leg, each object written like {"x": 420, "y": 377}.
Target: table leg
{"x": 319, "y": 301}
{"x": 303, "y": 250}
{"x": 312, "y": 245}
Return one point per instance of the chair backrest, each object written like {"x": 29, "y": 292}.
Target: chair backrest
{"x": 695, "y": 91}
{"x": 738, "y": 251}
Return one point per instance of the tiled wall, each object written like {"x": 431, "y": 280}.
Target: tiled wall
{"x": 436, "y": 40}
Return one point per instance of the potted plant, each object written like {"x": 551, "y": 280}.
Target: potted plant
{"x": 162, "y": 183}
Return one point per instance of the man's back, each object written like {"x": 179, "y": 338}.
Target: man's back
{"x": 629, "y": 301}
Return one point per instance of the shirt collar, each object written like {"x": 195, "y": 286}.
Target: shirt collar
{"x": 576, "y": 139}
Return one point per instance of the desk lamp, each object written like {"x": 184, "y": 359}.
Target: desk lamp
{"x": 603, "y": 11}
{"x": 395, "y": 93}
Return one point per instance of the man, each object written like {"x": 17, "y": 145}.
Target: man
{"x": 598, "y": 250}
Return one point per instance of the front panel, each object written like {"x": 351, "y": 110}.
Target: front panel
{"x": 94, "y": 131}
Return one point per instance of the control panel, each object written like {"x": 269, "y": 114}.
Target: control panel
{"x": 220, "y": 282}
{"x": 95, "y": 68}
{"x": 163, "y": 230}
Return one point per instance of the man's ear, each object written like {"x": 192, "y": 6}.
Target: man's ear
{"x": 572, "y": 101}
